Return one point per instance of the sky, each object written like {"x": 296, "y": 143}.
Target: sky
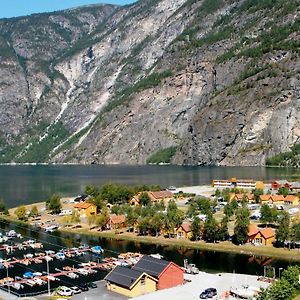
{"x": 15, "y": 8}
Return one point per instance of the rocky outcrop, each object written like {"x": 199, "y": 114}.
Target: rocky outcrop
{"x": 110, "y": 84}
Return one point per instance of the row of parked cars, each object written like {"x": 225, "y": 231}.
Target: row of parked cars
{"x": 70, "y": 291}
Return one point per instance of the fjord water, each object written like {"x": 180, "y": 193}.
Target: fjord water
{"x": 26, "y": 184}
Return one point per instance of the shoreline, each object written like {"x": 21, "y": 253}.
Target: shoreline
{"x": 290, "y": 255}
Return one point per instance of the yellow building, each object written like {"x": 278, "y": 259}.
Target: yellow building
{"x": 85, "y": 209}
{"x": 291, "y": 200}
{"x": 184, "y": 230}
{"x": 129, "y": 282}
{"x": 261, "y": 236}
{"x": 241, "y": 184}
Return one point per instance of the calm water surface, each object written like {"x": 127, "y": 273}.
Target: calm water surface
{"x": 29, "y": 184}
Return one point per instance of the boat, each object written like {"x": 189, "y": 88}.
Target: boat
{"x": 60, "y": 255}
{"x": 30, "y": 282}
{"x": 82, "y": 271}
{"x": 246, "y": 292}
{"x": 72, "y": 275}
{"x": 28, "y": 255}
{"x": 37, "y": 274}
{"x": 39, "y": 281}
{"x": 11, "y": 234}
{"x": 97, "y": 250}
{"x": 48, "y": 258}
{"x": 157, "y": 255}
{"x": 17, "y": 286}
{"x": 28, "y": 275}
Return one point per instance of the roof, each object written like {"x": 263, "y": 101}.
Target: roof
{"x": 291, "y": 198}
{"x": 161, "y": 194}
{"x": 267, "y": 232}
{"x": 295, "y": 184}
{"x": 276, "y": 198}
{"x": 117, "y": 219}
{"x": 123, "y": 276}
{"x": 264, "y": 197}
{"x": 83, "y": 205}
{"x": 151, "y": 265}
{"x": 250, "y": 196}
{"x": 252, "y": 229}
{"x": 239, "y": 196}
{"x": 186, "y": 226}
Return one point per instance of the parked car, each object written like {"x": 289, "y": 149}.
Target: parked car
{"x": 84, "y": 287}
{"x": 75, "y": 289}
{"x": 92, "y": 285}
{"x": 66, "y": 212}
{"x": 208, "y": 293}
{"x": 64, "y": 291}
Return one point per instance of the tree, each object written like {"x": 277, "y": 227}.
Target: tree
{"x": 204, "y": 205}
{"x": 91, "y": 191}
{"x": 116, "y": 193}
{"x": 156, "y": 222}
{"x": 53, "y": 204}
{"x": 268, "y": 214}
{"x": 283, "y": 191}
{"x": 282, "y": 290}
{"x": 196, "y": 229}
{"x": 211, "y": 229}
{"x": 295, "y": 232}
{"x": 282, "y": 232}
{"x": 132, "y": 217}
{"x": 75, "y": 217}
{"x": 174, "y": 215}
{"x": 34, "y": 211}
{"x": 256, "y": 193}
{"x": 3, "y": 208}
{"x": 143, "y": 225}
{"x": 91, "y": 219}
{"x": 228, "y": 210}
{"x": 102, "y": 218}
{"x": 20, "y": 212}
{"x": 223, "y": 230}
{"x": 144, "y": 199}
{"x": 241, "y": 225}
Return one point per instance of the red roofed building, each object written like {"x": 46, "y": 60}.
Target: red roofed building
{"x": 116, "y": 221}
{"x": 85, "y": 209}
{"x": 160, "y": 196}
{"x": 262, "y": 236}
{"x": 184, "y": 230}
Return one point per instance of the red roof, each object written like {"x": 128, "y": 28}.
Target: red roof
{"x": 161, "y": 194}
{"x": 277, "y": 198}
{"x": 291, "y": 198}
{"x": 265, "y": 197}
{"x": 117, "y": 219}
{"x": 83, "y": 205}
{"x": 267, "y": 232}
{"x": 252, "y": 229}
{"x": 186, "y": 226}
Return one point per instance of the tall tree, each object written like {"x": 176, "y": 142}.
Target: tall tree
{"x": 3, "y": 208}
{"x": 53, "y": 204}
{"x": 283, "y": 230}
{"x": 223, "y": 230}
{"x": 144, "y": 199}
{"x": 196, "y": 229}
{"x": 241, "y": 225}
{"x": 20, "y": 212}
{"x": 268, "y": 214}
{"x": 211, "y": 229}
{"x": 256, "y": 193}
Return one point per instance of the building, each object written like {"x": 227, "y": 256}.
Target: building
{"x": 167, "y": 273}
{"x": 235, "y": 183}
{"x": 261, "y": 236}
{"x": 275, "y": 185}
{"x": 160, "y": 196}
{"x": 184, "y": 230}
{"x": 129, "y": 282}
{"x": 116, "y": 222}
{"x": 265, "y": 199}
{"x": 291, "y": 200}
{"x": 239, "y": 197}
{"x": 85, "y": 209}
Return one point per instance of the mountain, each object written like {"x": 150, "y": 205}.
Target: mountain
{"x": 195, "y": 82}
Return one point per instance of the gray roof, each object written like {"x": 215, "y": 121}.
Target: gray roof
{"x": 152, "y": 266}
{"x": 123, "y": 276}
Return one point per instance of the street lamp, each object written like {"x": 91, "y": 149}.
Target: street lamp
{"x": 280, "y": 269}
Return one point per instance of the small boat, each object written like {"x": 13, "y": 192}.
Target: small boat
{"x": 28, "y": 275}
{"x": 49, "y": 252}
{"x": 72, "y": 275}
{"x": 18, "y": 286}
{"x": 18, "y": 278}
{"x": 11, "y": 234}
{"x": 82, "y": 271}
{"x": 28, "y": 255}
{"x": 37, "y": 274}
{"x": 39, "y": 281}
{"x": 97, "y": 250}
{"x": 60, "y": 255}
{"x": 30, "y": 282}
{"x": 157, "y": 255}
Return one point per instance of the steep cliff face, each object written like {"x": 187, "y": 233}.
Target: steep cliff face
{"x": 218, "y": 80}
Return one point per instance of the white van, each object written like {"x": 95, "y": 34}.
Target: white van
{"x": 65, "y": 212}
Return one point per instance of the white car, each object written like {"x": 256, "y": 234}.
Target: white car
{"x": 75, "y": 289}
{"x": 64, "y": 291}
{"x": 65, "y": 212}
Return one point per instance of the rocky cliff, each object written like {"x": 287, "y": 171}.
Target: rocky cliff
{"x": 215, "y": 81}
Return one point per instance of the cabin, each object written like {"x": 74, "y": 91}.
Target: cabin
{"x": 291, "y": 200}
{"x": 240, "y": 197}
{"x": 261, "y": 236}
{"x": 265, "y": 199}
{"x": 85, "y": 209}
{"x": 168, "y": 274}
{"x": 160, "y": 196}
{"x": 277, "y": 199}
{"x": 275, "y": 185}
{"x": 116, "y": 222}
{"x": 184, "y": 230}
{"x": 129, "y": 282}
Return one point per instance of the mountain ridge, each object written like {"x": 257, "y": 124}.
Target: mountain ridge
{"x": 123, "y": 83}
